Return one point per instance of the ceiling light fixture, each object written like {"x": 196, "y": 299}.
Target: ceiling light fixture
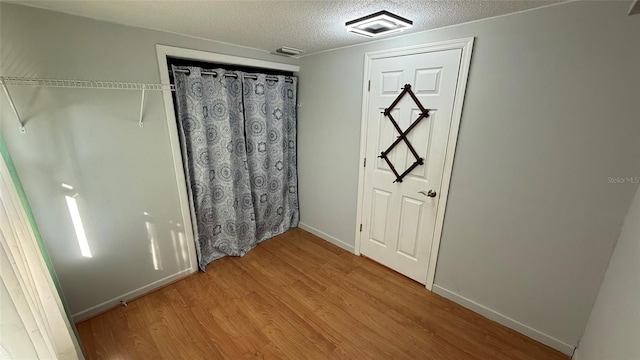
{"x": 380, "y": 23}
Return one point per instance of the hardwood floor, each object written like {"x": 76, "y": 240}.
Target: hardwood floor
{"x": 299, "y": 297}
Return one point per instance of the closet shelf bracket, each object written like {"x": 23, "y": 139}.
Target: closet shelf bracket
{"x": 13, "y": 106}
{"x": 140, "y": 123}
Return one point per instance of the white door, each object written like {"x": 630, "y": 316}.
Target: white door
{"x": 399, "y": 217}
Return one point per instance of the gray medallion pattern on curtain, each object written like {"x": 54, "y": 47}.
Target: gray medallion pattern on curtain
{"x": 270, "y": 127}
{"x": 238, "y": 138}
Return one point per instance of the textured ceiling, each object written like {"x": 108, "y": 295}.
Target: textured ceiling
{"x": 309, "y": 25}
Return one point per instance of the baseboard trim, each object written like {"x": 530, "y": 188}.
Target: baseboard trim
{"x": 335, "y": 241}
{"x": 131, "y": 295}
{"x": 575, "y": 355}
{"x": 505, "y": 320}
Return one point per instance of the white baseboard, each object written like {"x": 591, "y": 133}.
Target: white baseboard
{"x": 335, "y": 241}
{"x": 94, "y": 310}
{"x": 505, "y": 320}
{"x": 575, "y": 355}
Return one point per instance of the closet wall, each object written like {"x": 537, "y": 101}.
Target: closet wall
{"x": 123, "y": 175}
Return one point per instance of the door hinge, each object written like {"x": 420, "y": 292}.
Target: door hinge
{"x": 360, "y": 227}
{"x": 369, "y": 88}
{"x": 365, "y": 163}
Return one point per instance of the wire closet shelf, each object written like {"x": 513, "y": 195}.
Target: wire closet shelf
{"x": 84, "y": 84}
{"x": 79, "y": 84}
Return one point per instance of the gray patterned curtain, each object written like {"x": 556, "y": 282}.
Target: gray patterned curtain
{"x": 270, "y": 121}
{"x": 238, "y": 137}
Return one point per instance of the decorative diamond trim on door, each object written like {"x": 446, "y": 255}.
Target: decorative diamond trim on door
{"x": 424, "y": 113}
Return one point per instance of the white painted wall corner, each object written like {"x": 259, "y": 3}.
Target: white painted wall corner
{"x": 506, "y": 321}
{"x": 335, "y": 241}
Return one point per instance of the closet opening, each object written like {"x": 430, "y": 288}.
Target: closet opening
{"x": 236, "y": 128}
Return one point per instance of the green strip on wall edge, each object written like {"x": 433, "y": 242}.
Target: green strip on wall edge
{"x": 4, "y": 151}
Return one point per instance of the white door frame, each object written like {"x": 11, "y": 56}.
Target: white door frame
{"x": 466, "y": 45}
{"x": 164, "y": 51}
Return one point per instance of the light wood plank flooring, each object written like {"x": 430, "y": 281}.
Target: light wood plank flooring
{"x": 299, "y": 297}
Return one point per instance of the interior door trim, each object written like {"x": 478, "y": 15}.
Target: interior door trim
{"x": 466, "y": 45}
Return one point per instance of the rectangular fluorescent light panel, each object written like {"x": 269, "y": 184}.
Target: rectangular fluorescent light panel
{"x": 380, "y": 23}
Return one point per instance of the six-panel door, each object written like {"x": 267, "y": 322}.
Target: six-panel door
{"x": 399, "y": 218}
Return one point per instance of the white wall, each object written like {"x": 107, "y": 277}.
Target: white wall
{"x": 613, "y": 330}
{"x": 90, "y": 139}
{"x": 551, "y": 112}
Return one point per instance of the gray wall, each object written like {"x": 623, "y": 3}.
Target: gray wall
{"x": 551, "y": 112}
{"x": 90, "y": 139}
{"x": 613, "y": 329}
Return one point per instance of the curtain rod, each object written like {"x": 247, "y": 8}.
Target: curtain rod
{"x": 233, "y": 75}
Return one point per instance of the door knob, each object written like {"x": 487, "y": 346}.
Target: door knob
{"x": 429, "y": 193}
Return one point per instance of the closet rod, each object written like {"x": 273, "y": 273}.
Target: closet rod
{"x": 214, "y": 73}
{"x": 205, "y": 72}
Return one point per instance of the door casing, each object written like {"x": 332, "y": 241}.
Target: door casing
{"x": 466, "y": 45}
